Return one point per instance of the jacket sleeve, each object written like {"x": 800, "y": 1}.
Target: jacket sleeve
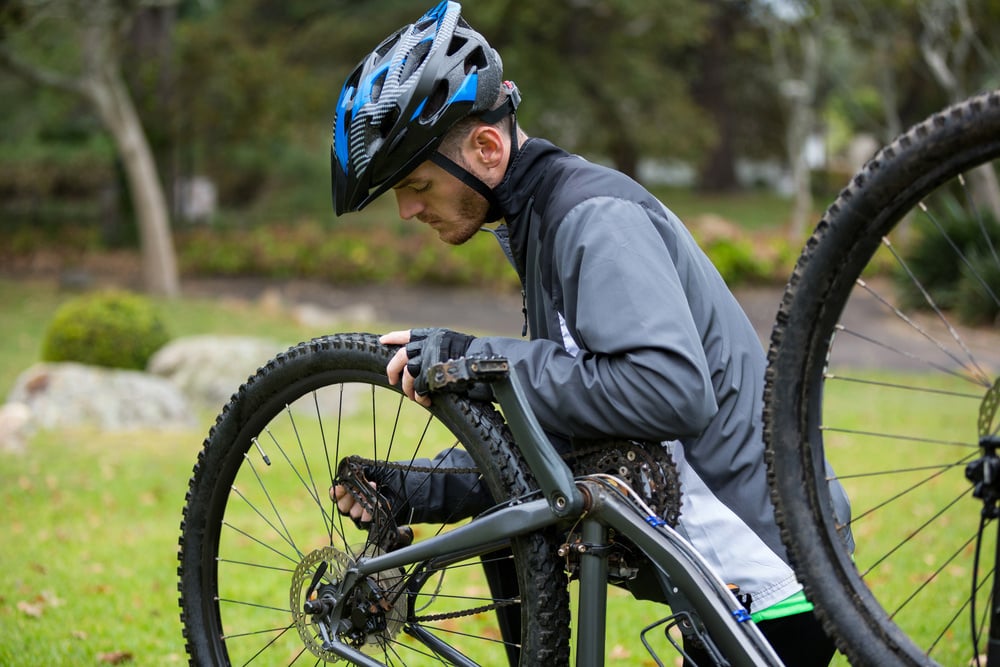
{"x": 641, "y": 371}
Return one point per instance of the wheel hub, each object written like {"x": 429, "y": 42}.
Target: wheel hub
{"x": 984, "y": 472}
{"x": 365, "y": 616}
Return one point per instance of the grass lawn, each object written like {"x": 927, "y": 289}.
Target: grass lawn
{"x": 90, "y": 523}
{"x": 752, "y": 210}
{"x": 89, "y": 550}
{"x": 91, "y": 520}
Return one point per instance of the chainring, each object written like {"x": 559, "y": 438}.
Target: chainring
{"x": 646, "y": 467}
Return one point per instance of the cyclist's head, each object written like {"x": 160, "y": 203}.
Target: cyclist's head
{"x": 401, "y": 100}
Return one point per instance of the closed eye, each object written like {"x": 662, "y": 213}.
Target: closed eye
{"x": 413, "y": 186}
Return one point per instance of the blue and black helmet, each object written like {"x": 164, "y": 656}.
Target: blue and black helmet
{"x": 401, "y": 99}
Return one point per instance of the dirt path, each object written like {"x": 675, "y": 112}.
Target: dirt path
{"x": 899, "y": 345}
{"x": 497, "y": 313}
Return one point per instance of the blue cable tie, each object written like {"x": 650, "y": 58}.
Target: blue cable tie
{"x": 655, "y": 521}
{"x": 741, "y": 615}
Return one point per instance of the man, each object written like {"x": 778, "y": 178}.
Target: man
{"x": 633, "y": 332}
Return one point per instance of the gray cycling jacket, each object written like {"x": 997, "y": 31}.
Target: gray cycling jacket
{"x": 634, "y": 334}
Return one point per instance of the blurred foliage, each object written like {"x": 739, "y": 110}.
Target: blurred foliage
{"x": 111, "y": 328}
{"x": 242, "y": 92}
{"x": 345, "y": 254}
{"x": 969, "y": 288}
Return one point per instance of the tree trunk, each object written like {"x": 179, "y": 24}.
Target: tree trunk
{"x": 111, "y": 99}
{"x": 100, "y": 83}
{"x": 799, "y": 126}
{"x": 801, "y": 95}
{"x": 985, "y": 190}
{"x": 717, "y": 172}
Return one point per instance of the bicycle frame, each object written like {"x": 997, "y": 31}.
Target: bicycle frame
{"x": 687, "y": 578}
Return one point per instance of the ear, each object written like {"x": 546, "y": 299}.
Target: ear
{"x": 487, "y": 148}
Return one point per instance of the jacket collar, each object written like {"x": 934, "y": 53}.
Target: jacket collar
{"x": 523, "y": 175}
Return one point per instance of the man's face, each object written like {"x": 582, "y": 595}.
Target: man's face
{"x": 435, "y": 197}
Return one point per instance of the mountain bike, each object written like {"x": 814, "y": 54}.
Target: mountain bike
{"x": 270, "y": 573}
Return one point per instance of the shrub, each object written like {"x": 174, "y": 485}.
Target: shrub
{"x": 738, "y": 261}
{"x": 953, "y": 284}
{"x": 111, "y": 328}
{"x": 979, "y": 290}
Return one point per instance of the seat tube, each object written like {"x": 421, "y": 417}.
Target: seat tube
{"x": 593, "y": 598}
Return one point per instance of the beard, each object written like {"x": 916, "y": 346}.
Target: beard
{"x": 470, "y": 214}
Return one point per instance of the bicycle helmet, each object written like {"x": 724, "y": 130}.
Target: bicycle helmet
{"x": 401, "y": 100}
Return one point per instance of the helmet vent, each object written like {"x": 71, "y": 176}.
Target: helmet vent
{"x": 388, "y": 44}
{"x": 377, "y": 86}
{"x": 414, "y": 59}
{"x": 475, "y": 61}
{"x": 353, "y": 80}
{"x": 427, "y": 22}
{"x": 456, "y": 44}
{"x": 388, "y": 121}
{"x": 435, "y": 101}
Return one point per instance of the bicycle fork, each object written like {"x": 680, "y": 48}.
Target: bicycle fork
{"x": 984, "y": 473}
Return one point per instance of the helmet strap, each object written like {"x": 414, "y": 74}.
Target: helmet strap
{"x": 508, "y": 108}
{"x": 461, "y": 173}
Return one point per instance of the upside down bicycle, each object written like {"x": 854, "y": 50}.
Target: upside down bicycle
{"x": 271, "y": 574}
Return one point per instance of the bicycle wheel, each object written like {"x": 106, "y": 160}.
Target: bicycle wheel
{"x": 884, "y": 361}
{"x": 259, "y": 532}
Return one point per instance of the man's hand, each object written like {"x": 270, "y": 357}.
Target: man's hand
{"x": 347, "y": 506}
{"x": 395, "y": 370}
{"x": 420, "y": 350}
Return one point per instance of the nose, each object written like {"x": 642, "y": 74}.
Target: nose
{"x": 408, "y": 203}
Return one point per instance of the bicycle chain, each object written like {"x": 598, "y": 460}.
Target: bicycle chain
{"x": 647, "y": 467}
{"x": 466, "y": 612}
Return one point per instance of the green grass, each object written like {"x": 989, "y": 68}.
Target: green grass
{"x": 91, "y": 520}
{"x": 89, "y": 549}
{"x": 751, "y": 210}
{"x": 926, "y": 506}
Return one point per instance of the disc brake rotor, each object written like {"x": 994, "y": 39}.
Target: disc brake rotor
{"x": 988, "y": 410}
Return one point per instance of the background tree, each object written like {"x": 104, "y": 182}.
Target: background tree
{"x": 949, "y": 40}
{"x": 731, "y": 81}
{"x": 607, "y": 77}
{"x": 242, "y": 92}
{"x": 96, "y": 28}
{"x": 797, "y": 37}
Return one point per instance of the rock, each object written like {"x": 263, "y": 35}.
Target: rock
{"x": 15, "y": 426}
{"x": 317, "y": 317}
{"x": 209, "y": 369}
{"x": 60, "y": 395}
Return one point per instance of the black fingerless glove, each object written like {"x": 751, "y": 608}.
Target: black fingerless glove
{"x": 431, "y": 346}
